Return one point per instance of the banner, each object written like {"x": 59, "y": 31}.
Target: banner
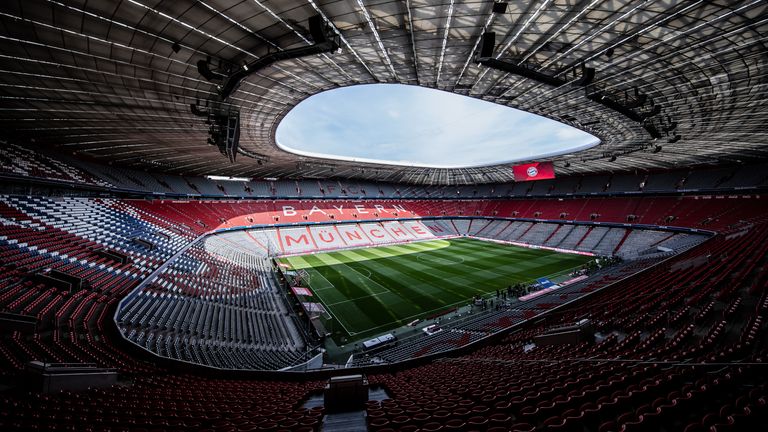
{"x": 301, "y": 291}
{"x": 534, "y": 171}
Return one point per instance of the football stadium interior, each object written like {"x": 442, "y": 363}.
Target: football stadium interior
{"x": 167, "y": 266}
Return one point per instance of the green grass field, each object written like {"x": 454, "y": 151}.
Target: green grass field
{"x": 368, "y": 291}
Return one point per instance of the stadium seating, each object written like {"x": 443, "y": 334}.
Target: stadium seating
{"x": 215, "y": 305}
{"x": 210, "y": 295}
{"x": 635, "y": 378}
{"x": 21, "y": 161}
{"x": 658, "y": 332}
{"x": 169, "y": 402}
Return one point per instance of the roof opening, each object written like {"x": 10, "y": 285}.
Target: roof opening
{"x": 406, "y": 125}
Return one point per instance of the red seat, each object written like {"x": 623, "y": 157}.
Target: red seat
{"x": 455, "y": 424}
{"x": 432, "y": 427}
{"x": 378, "y": 423}
{"x": 522, "y": 427}
{"x": 477, "y": 422}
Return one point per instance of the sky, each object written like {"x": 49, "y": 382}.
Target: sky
{"x": 409, "y": 125}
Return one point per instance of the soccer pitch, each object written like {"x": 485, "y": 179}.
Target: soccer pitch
{"x": 370, "y": 290}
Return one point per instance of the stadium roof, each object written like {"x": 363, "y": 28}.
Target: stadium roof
{"x": 114, "y": 81}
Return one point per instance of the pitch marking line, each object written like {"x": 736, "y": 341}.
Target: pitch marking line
{"x": 328, "y": 309}
{"x": 401, "y": 320}
{"x": 358, "y": 298}
{"x": 331, "y": 285}
{"x": 462, "y": 277}
{"x": 445, "y": 307}
{"x": 356, "y": 271}
{"x": 361, "y": 274}
{"x": 373, "y": 294}
{"x": 369, "y": 278}
{"x": 439, "y": 260}
{"x": 463, "y": 261}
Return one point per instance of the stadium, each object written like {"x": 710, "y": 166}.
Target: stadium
{"x": 169, "y": 263}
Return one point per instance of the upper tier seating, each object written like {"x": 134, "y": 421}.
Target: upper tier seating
{"x": 18, "y": 160}
{"x": 24, "y": 162}
{"x": 108, "y": 223}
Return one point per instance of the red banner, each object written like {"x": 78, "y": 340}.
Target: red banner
{"x": 534, "y": 171}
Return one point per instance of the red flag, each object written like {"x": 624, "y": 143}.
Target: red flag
{"x": 534, "y": 171}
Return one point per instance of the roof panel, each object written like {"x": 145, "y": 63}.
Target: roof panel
{"x": 109, "y": 68}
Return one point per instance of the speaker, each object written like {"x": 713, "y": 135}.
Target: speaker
{"x": 205, "y": 70}
{"x": 317, "y": 29}
{"x": 233, "y": 136}
{"x": 345, "y": 393}
{"x": 197, "y": 111}
{"x": 499, "y": 7}
{"x": 656, "y": 110}
{"x": 639, "y": 101}
{"x": 587, "y": 76}
{"x": 487, "y": 43}
{"x": 652, "y": 130}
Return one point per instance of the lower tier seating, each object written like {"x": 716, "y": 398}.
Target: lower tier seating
{"x": 215, "y": 305}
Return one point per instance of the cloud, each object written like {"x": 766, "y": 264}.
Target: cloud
{"x": 420, "y": 126}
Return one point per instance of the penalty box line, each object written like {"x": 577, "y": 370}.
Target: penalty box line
{"x": 372, "y": 294}
{"x": 328, "y": 309}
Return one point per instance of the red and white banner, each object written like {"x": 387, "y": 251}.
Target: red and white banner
{"x": 301, "y": 291}
{"x": 534, "y": 171}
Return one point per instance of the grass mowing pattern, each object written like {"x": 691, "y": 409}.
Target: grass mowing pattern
{"x": 371, "y": 290}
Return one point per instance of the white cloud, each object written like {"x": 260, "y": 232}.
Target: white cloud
{"x": 420, "y": 126}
